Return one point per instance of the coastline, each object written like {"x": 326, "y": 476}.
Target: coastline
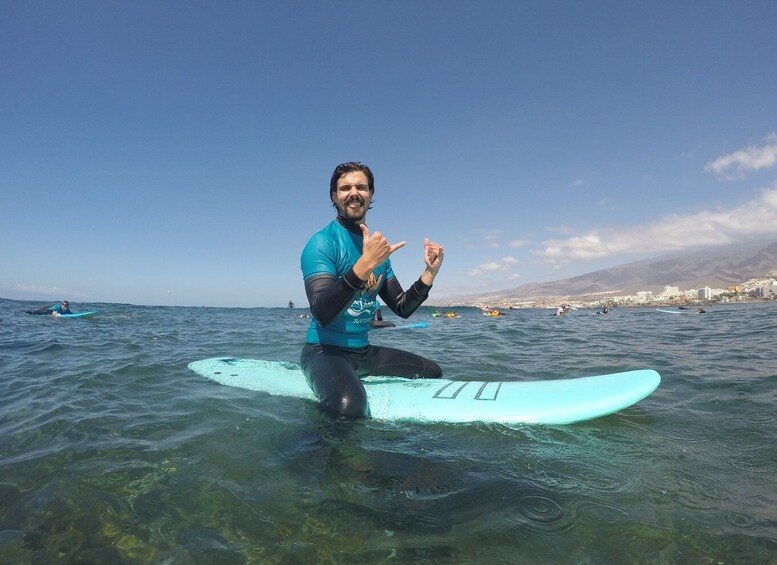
{"x": 582, "y": 302}
{"x": 756, "y": 290}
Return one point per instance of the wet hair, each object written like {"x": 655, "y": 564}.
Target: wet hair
{"x": 350, "y": 167}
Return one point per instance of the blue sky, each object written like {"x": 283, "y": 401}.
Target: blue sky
{"x": 180, "y": 152}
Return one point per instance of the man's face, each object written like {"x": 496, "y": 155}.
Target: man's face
{"x": 353, "y": 196}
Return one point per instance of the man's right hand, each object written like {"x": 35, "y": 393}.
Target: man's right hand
{"x": 375, "y": 250}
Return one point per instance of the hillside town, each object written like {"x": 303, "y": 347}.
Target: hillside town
{"x": 753, "y": 290}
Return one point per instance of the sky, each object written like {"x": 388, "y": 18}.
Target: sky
{"x": 179, "y": 152}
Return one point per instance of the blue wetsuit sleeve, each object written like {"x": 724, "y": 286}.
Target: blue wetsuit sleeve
{"x": 403, "y": 303}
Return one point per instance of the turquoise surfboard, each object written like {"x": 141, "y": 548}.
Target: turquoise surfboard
{"x": 562, "y": 401}
{"x": 410, "y": 326}
{"x": 73, "y": 315}
{"x": 77, "y": 315}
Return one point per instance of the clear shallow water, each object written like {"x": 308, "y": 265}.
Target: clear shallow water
{"x": 112, "y": 451}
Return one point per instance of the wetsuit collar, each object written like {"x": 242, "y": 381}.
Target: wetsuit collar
{"x": 349, "y": 225}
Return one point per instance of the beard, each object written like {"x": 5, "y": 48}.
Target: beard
{"x": 353, "y": 209}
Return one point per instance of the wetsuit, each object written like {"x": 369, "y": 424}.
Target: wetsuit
{"x": 57, "y": 309}
{"x": 337, "y": 351}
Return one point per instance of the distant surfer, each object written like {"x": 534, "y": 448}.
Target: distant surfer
{"x": 345, "y": 268}
{"x": 291, "y": 304}
{"x": 379, "y": 322}
{"x": 55, "y": 310}
{"x": 451, "y": 314}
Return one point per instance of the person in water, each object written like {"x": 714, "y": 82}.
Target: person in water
{"x": 379, "y": 322}
{"x": 346, "y": 267}
{"x": 56, "y": 309}
{"x": 63, "y": 308}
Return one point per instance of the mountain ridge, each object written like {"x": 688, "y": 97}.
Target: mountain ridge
{"x": 714, "y": 267}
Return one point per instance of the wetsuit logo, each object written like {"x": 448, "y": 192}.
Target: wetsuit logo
{"x": 366, "y": 303}
{"x": 362, "y": 306}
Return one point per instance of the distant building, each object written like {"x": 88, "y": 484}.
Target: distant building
{"x": 644, "y": 296}
{"x": 705, "y": 293}
{"x": 669, "y": 292}
{"x": 765, "y": 291}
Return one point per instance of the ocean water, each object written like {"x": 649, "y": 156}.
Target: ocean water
{"x": 112, "y": 451}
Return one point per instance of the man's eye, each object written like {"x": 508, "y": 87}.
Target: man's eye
{"x": 359, "y": 187}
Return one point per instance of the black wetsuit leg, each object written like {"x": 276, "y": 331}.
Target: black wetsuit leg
{"x": 390, "y": 362}
{"x": 335, "y": 373}
{"x": 42, "y": 310}
{"x": 331, "y": 374}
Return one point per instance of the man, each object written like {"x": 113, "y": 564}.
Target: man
{"x": 345, "y": 268}
{"x": 59, "y": 309}
{"x": 55, "y": 310}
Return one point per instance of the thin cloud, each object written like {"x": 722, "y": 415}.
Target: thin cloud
{"x": 39, "y": 289}
{"x": 23, "y": 291}
{"x": 518, "y": 243}
{"x": 757, "y": 217}
{"x": 503, "y": 264}
{"x": 491, "y": 238}
{"x": 736, "y": 164}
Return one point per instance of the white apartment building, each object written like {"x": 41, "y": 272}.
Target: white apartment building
{"x": 644, "y": 296}
{"x": 669, "y": 292}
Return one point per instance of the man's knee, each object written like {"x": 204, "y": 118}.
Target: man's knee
{"x": 434, "y": 371}
{"x": 342, "y": 394}
{"x": 350, "y": 405}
